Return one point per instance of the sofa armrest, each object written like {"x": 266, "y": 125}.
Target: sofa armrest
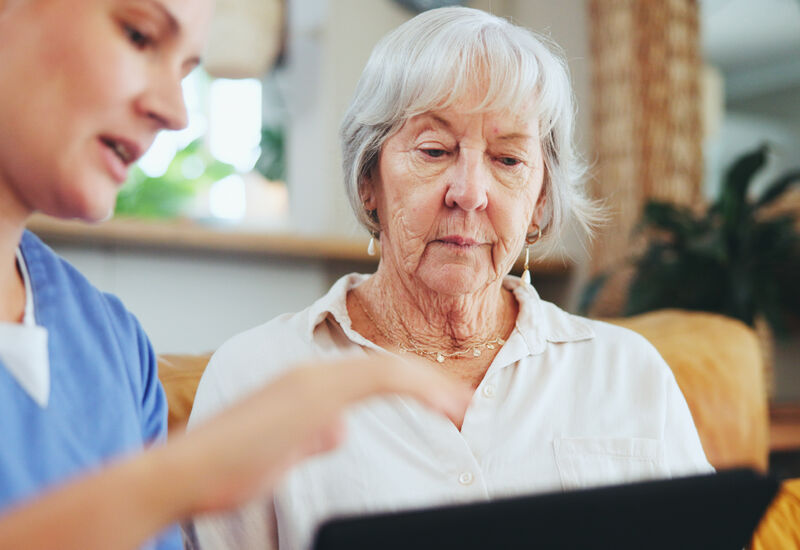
{"x": 718, "y": 365}
{"x": 180, "y": 376}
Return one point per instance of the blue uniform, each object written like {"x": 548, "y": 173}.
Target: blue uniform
{"x": 105, "y": 397}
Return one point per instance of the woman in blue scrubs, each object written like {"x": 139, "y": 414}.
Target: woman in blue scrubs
{"x": 84, "y": 89}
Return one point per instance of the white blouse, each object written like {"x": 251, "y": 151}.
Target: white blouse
{"x": 567, "y": 402}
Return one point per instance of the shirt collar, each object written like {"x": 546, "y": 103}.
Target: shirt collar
{"x": 538, "y": 322}
{"x": 23, "y": 347}
{"x": 334, "y": 303}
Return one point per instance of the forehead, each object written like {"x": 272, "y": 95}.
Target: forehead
{"x": 519, "y": 124}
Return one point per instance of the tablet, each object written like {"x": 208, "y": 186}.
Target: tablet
{"x": 709, "y": 512}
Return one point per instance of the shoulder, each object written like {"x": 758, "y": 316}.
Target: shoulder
{"x": 596, "y": 344}
{"x": 65, "y": 300}
{"x": 48, "y": 269}
{"x": 265, "y": 346}
{"x": 51, "y": 275}
{"x": 251, "y": 358}
{"x": 264, "y": 351}
{"x": 613, "y": 334}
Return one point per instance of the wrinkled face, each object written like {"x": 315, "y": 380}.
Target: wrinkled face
{"x": 85, "y": 87}
{"x": 456, "y": 192}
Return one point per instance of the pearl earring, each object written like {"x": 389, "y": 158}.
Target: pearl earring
{"x": 371, "y": 248}
{"x": 530, "y": 239}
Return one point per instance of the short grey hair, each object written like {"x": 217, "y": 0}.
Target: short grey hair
{"x": 435, "y": 59}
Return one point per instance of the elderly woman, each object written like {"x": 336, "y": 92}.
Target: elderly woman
{"x": 458, "y": 155}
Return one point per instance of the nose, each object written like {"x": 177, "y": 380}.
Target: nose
{"x": 469, "y": 182}
{"x": 163, "y": 103}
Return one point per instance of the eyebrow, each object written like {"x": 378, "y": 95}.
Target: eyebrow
{"x": 515, "y": 136}
{"x": 438, "y": 120}
{"x": 172, "y": 23}
{"x": 442, "y": 121}
{"x": 174, "y": 28}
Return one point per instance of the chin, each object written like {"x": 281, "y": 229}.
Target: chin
{"x": 85, "y": 206}
{"x": 454, "y": 280}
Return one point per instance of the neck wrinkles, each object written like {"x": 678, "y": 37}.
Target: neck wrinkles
{"x": 407, "y": 313}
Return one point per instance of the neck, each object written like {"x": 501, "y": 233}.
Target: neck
{"x": 12, "y": 223}
{"x": 407, "y": 314}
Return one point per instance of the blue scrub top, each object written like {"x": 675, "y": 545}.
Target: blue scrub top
{"x": 105, "y": 396}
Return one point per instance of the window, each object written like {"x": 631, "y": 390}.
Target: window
{"x": 226, "y": 167}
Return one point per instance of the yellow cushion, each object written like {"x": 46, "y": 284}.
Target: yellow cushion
{"x": 180, "y": 376}
{"x": 719, "y": 368}
{"x": 780, "y": 527}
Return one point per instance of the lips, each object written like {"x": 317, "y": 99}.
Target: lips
{"x": 458, "y": 240}
{"x": 127, "y": 151}
{"x": 118, "y": 154}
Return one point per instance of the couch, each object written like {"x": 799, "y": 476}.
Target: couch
{"x": 718, "y": 365}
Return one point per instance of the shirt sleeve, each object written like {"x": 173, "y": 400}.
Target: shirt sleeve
{"x": 682, "y": 447}
{"x": 154, "y": 422}
{"x": 154, "y": 400}
{"x": 250, "y": 526}
{"x": 142, "y": 362}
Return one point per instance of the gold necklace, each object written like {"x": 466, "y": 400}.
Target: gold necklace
{"x": 437, "y": 355}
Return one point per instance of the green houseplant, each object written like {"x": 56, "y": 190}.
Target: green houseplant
{"x": 165, "y": 196}
{"x": 732, "y": 258}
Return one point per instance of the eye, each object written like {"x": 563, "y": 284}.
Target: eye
{"x": 434, "y": 153}
{"x": 509, "y": 161}
{"x": 137, "y": 37}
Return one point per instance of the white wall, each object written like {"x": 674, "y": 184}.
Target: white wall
{"x": 191, "y": 303}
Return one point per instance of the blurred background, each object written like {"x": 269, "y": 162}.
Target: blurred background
{"x": 242, "y": 215}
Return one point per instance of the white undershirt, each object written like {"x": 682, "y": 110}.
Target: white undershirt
{"x": 23, "y": 347}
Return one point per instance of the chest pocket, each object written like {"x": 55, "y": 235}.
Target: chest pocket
{"x": 587, "y": 462}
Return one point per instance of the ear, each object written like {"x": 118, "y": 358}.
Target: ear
{"x": 538, "y": 212}
{"x": 366, "y": 192}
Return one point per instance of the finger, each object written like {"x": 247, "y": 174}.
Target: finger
{"x": 435, "y": 389}
{"x": 384, "y": 374}
{"x": 326, "y": 439}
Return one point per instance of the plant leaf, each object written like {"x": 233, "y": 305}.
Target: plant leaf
{"x": 733, "y": 200}
{"x": 778, "y": 187}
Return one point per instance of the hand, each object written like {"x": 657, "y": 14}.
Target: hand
{"x": 243, "y": 452}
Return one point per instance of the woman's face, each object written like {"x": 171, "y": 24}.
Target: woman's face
{"x": 85, "y": 86}
{"x": 456, "y": 192}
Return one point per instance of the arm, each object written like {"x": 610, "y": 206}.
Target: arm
{"x": 231, "y": 459}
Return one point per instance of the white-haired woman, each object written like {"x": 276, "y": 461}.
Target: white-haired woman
{"x": 457, "y": 154}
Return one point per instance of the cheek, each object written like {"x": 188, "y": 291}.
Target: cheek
{"x": 513, "y": 211}
{"x": 92, "y": 66}
{"x": 409, "y": 198}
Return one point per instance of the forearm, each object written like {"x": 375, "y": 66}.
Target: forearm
{"x": 233, "y": 458}
{"x": 118, "y": 507}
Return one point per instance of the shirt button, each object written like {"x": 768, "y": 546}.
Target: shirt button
{"x": 488, "y": 390}
{"x": 465, "y": 478}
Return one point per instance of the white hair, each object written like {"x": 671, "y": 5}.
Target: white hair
{"x": 440, "y": 56}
